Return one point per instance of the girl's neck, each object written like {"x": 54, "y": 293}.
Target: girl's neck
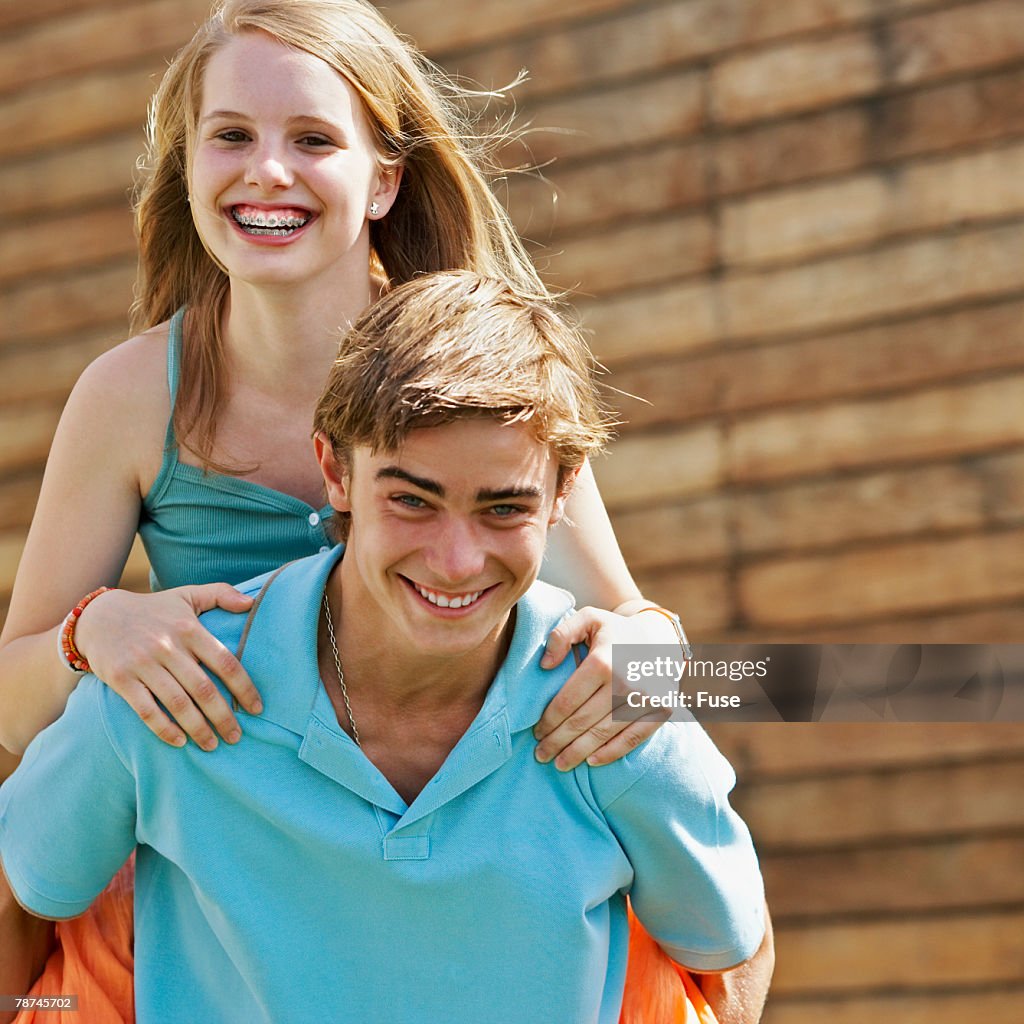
{"x": 287, "y": 338}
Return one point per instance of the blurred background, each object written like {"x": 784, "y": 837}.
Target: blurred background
{"x": 796, "y": 230}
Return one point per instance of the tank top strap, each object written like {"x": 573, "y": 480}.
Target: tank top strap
{"x": 169, "y": 462}
{"x": 174, "y": 345}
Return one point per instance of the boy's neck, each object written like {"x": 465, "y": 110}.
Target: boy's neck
{"x": 395, "y": 675}
{"x": 409, "y": 710}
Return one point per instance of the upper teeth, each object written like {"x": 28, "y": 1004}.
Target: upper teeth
{"x": 443, "y": 601}
{"x": 269, "y": 220}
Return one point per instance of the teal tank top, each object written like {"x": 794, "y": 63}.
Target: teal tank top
{"x": 205, "y": 527}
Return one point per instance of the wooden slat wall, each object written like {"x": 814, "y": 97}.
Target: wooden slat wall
{"x": 796, "y": 230}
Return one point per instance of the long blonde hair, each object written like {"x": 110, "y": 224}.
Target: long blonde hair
{"x": 445, "y": 216}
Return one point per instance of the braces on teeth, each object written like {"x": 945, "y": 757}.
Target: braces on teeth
{"x": 263, "y": 223}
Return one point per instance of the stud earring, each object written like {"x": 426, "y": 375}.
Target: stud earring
{"x": 374, "y": 209}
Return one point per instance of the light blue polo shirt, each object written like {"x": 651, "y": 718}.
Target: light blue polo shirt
{"x": 284, "y": 880}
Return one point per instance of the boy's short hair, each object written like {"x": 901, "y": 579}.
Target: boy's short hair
{"x": 454, "y": 344}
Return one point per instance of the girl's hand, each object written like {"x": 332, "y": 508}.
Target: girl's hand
{"x": 151, "y": 647}
{"x": 577, "y": 725}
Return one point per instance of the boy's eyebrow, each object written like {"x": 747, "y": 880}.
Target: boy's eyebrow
{"x": 395, "y": 473}
{"x": 509, "y": 494}
{"x": 433, "y": 487}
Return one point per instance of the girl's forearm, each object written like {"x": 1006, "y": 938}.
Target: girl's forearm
{"x": 34, "y": 688}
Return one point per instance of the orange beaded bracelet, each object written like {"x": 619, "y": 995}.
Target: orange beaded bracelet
{"x": 69, "y": 653}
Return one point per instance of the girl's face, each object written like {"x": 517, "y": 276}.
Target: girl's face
{"x": 284, "y": 168}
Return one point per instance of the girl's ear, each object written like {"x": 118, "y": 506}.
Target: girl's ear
{"x": 335, "y": 473}
{"x": 383, "y": 197}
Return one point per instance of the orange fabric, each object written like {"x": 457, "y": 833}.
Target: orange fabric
{"x": 93, "y": 960}
{"x": 659, "y": 991}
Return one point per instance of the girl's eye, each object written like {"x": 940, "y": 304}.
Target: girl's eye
{"x": 232, "y": 135}
{"x": 316, "y": 141}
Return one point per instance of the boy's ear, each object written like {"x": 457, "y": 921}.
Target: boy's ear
{"x": 565, "y": 486}
{"x": 335, "y": 472}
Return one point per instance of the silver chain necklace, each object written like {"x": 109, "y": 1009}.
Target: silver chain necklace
{"x": 337, "y": 666}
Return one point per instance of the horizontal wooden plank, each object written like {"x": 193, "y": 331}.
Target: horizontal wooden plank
{"x": 681, "y": 533}
{"x": 38, "y": 246}
{"x": 809, "y": 74}
{"x": 93, "y": 38}
{"x": 1005, "y": 1006}
{"x": 48, "y": 372}
{"x": 901, "y": 804}
{"x": 964, "y": 38}
{"x": 791, "y": 749}
{"x": 64, "y": 306}
{"x": 18, "y": 501}
{"x": 25, "y": 435}
{"x": 878, "y": 506}
{"x": 961, "y": 874}
{"x": 895, "y": 279}
{"x": 890, "y": 128}
{"x": 648, "y": 252}
{"x": 978, "y": 109}
{"x": 800, "y": 222}
{"x": 441, "y": 28}
{"x": 795, "y": 77}
{"x": 701, "y": 598}
{"x": 818, "y": 514}
{"x": 77, "y": 110}
{"x": 97, "y": 172}
{"x": 623, "y": 43}
{"x": 662, "y": 466}
{"x": 1002, "y": 623}
{"x": 891, "y": 579}
{"x": 632, "y": 41}
{"x": 922, "y": 350}
{"x": 18, "y": 14}
{"x": 970, "y": 950}
{"x": 612, "y": 119}
{"x": 673, "y": 318}
{"x": 939, "y": 422}
{"x": 567, "y": 199}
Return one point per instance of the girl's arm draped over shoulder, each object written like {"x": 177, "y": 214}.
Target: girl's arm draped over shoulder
{"x": 80, "y": 537}
{"x": 103, "y": 456}
{"x": 584, "y": 557}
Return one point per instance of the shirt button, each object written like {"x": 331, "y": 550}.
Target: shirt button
{"x": 314, "y": 519}
{"x": 324, "y": 550}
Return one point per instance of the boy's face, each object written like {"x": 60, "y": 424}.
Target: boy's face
{"x": 448, "y": 531}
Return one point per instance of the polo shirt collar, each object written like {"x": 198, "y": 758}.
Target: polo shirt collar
{"x": 281, "y": 658}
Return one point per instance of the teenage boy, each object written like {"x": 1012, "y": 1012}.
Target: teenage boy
{"x": 383, "y": 845}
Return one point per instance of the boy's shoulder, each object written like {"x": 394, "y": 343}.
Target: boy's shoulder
{"x": 679, "y": 760}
